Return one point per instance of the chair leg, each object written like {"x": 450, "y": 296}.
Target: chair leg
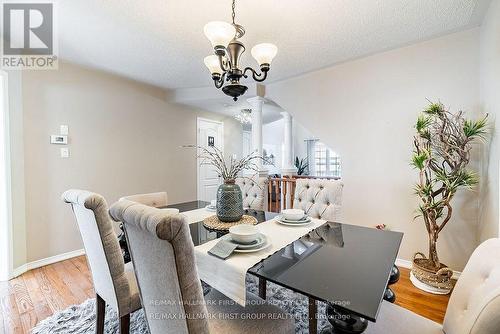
{"x": 125, "y": 324}
{"x": 100, "y": 310}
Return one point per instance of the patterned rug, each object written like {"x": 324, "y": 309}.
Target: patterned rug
{"x": 80, "y": 319}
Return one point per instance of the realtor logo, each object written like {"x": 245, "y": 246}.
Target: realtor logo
{"x": 28, "y": 36}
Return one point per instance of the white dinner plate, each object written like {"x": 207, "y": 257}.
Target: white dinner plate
{"x": 260, "y": 241}
{"x": 280, "y": 220}
{"x": 252, "y": 250}
{"x": 211, "y": 208}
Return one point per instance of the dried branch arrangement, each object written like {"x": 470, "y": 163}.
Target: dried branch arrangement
{"x": 213, "y": 156}
{"x": 441, "y": 154}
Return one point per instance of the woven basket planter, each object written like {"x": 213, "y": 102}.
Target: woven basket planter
{"x": 430, "y": 280}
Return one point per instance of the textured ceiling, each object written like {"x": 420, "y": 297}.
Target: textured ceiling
{"x": 161, "y": 42}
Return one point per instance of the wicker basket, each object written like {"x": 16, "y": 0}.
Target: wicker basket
{"x": 213, "y": 223}
{"x": 440, "y": 279}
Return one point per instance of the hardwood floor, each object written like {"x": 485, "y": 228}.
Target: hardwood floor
{"x": 41, "y": 292}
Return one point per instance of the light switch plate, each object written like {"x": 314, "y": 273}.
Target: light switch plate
{"x": 64, "y": 130}
{"x": 64, "y": 152}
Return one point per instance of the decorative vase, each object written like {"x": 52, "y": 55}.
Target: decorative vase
{"x": 229, "y": 202}
{"x": 426, "y": 278}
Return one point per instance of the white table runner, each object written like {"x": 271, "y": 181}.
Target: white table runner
{"x": 197, "y": 215}
{"x": 228, "y": 276}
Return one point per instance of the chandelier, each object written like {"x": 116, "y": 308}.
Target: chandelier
{"x": 224, "y": 64}
{"x": 244, "y": 116}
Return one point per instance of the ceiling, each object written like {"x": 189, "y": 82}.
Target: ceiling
{"x": 161, "y": 42}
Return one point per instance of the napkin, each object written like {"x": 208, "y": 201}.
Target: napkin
{"x": 223, "y": 249}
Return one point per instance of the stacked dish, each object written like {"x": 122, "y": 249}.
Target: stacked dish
{"x": 293, "y": 217}
{"x": 247, "y": 239}
{"x": 212, "y": 206}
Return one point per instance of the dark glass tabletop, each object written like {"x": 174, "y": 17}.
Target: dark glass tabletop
{"x": 343, "y": 264}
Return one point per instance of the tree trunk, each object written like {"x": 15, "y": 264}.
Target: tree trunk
{"x": 433, "y": 255}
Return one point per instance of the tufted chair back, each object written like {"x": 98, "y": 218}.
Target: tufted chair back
{"x": 163, "y": 255}
{"x": 319, "y": 198}
{"x": 474, "y": 306}
{"x": 156, "y": 200}
{"x": 101, "y": 247}
{"x": 254, "y": 190}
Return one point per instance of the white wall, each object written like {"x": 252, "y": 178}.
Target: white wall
{"x": 490, "y": 103}
{"x": 365, "y": 111}
{"x": 125, "y": 138}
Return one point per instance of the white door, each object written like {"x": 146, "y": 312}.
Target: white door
{"x": 210, "y": 133}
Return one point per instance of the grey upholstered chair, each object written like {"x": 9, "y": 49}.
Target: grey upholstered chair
{"x": 114, "y": 281}
{"x": 156, "y": 200}
{"x": 474, "y": 306}
{"x": 254, "y": 190}
{"x": 319, "y": 198}
{"x": 163, "y": 255}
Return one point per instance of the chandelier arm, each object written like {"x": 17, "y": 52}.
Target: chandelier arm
{"x": 259, "y": 77}
{"x": 225, "y": 66}
{"x": 220, "y": 82}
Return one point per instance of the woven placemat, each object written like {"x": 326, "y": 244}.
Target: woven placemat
{"x": 214, "y": 223}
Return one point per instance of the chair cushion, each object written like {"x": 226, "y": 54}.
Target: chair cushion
{"x": 397, "y": 320}
{"x": 226, "y": 316}
{"x": 135, "y": 299}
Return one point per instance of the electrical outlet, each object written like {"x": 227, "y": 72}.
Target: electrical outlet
{"x": 64, "y": 152}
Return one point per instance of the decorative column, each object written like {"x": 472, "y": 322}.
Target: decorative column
{"x": 257, "y": 103}
{"x": 288, "y": 167}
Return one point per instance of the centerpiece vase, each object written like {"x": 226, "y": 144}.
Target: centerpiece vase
{"x": 229, "y": 202}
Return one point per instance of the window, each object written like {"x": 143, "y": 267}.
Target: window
{"x": 322, "y": 160}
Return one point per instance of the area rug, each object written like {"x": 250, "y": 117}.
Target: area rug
{"x": 80, "y": 319}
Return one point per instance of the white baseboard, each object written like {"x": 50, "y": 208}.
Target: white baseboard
{"x": 43, "y": 262}
{"x": 407, "y": 264}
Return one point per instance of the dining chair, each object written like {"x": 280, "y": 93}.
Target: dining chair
{"x": 254, "y": 191}
{"x": 156, "y": 200}
{"x": 474, "y": 306}
{"x": 114, "y": 282}
{"x": 319, "y": 198}
{"x": 163, "y": 255}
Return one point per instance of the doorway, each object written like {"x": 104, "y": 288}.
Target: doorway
{"x": 209, "y": 133}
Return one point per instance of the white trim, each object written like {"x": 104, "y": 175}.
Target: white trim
{"x": 407, "y": 264}
{"x": 44, "y": 262}
{"x": 6, "y": 237}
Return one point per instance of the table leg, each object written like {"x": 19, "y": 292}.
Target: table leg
{"x": 262, "y": 288}
{"x": 313, "y": 316}
{"x": 342, "y": 321}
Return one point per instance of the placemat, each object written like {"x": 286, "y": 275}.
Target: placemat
{"x": 214, "y": 223}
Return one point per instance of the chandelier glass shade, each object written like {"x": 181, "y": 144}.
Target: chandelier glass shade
{"x": 224, "y": 64}
{"x": 244, "y": 116}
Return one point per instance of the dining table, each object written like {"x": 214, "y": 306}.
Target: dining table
{"x": 344, "y": 265}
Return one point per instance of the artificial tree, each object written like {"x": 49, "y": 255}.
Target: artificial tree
{"x": 441, "y": 154}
